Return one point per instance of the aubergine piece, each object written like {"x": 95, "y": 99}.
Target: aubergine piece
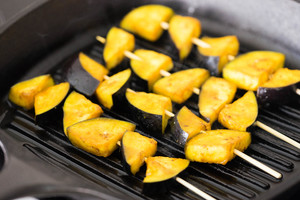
{"x": 23, "y": 93}
{"x": 281, "y": 88}
{"x": 186, "y": 124}
{"x": 215, "y": 94}
{"x": 117, "y": 42}
{"x": 161, "y": 173}
{"x": 251, "y": 70}
{"x": 111, "y": 92}
{"x": 217, "y": 54}
{"x": 216, "y": 146}
{"x": 47, "y": 103}
{"x": 78, "y": 108}
{"x": 148, "y": 69}
{"x": 98, "y": 136}
{"x": 145, "y": 21}
{"x": 179, "y": 85}
{"x": 149, "y": 110}
{"x": 241, "y": 114}
{"x": 182, "y": 30}
{"x": 135, "y": 149}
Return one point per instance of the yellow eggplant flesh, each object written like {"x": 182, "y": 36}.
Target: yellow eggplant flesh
{"x": 216, "y": 146}
{"x": 23, "y": 93}
{"x": 145, "y": 21}
{"x": 283, "y": 77}
{"x": 241, "y": 114}
{"x": 251, "y": 70}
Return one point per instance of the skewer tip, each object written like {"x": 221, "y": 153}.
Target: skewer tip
{"x": 101, "y": 39}
{"x": 164, "y": 25}
{"x": 200, "y": 43}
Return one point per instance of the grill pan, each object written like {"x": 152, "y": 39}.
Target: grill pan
{"x": 40, "y": 162}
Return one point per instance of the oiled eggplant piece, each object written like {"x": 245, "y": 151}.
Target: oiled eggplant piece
{"x": 47, "y": 103}
{"x": 78, "y": 108}
{"x": 117, "y": 42}
{"x": 217, "y": 54}
{"x": 111, "y": 92}
{"x": 216, "y": 146}
{"x": 241, "y": 114}
{"x": 148, "y": 69}
{"x": 215, "y": 94}
{"x": 182, "y": 29}
{"x": 251, "y": 70}
{"x": 98, "y": 136}
{"x": 179, "y": 86}
{"x": 145, "y": 21}
{"x": 161, "y": 172}
{"x": 23, "y": 93}
{"x": 135, "y": 149}
{"x": 148, "y": 109}
{"x": 280, "y": 88}
{"x": 186, "y": 124}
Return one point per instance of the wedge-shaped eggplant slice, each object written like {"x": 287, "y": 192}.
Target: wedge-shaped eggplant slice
{"x": 117, "y": 42}
{"x": 145, "y": 21}
{"x": 78, "y": 108}
{"x": 280, "y": 88}
{"x": 216, "y": 146}
{"x": 135, "y": 149}
{"x": 179, "y": 86}
{"x": 149, "y": 110}
{"x": 220, "y": 50}
{"x": 186, "y": 124}
{"x": 111, "y": 92}
{"x": 148, "y": 69}
{"x": 215, "y": 94}
{"x": 182, "y": 30}
{"x": 251, "y": 70}
{"x": 98, "y": 136}
{"x": 23, "y": 93}
{"x": 241, "y": 114}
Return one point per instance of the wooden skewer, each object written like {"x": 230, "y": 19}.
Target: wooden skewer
{"x": 230, "y": 57}
{"x": 106, "y": 77}
{"x": 298, "y": 91}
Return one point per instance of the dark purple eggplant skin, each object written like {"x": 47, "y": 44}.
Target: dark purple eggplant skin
{"x": 125, "y": 164}
{"x": 178, "y": 134}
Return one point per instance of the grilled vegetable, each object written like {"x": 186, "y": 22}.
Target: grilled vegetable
{"x": 280, "y": 88}
{"x": 23, "y": 93}
{"x": 251, "y": 70}
{"x": 98, "y": 136}
{"x": 135, "y": 149}
{"x": 182, "y": 30}
{"x": 78, "y": 108}
{"x": 148, "y": 69}
{"x": 220, "y": 49}
{"x": 149, "y": 110}
{"x": 112, "y": 91}
{"x": 145, "y": 21}
{"x": 117, "y": 42}
{"x": 216, "y": 146}
{"x": 240, "y": 114}
{"x": 179, "y": 86}
{"x": 186, "y": 124}
{"x": 215, "y": 94}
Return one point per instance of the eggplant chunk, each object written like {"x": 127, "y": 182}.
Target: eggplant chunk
{"x": 148, "y": 69}
{"x": 216, "y": 146}
{"x": 220, "y": 47}
{"x": 182, "y": 30}
{"x": 179, "y": 86}
{"x": 23, "y": 93}
{"x": 112, "y": 91}
{"x": 280, "y": 88}
{"x": 215, "y": 94}
{"x": 78, "y": 108}
{"x": 145, "y": 21}
{"x": 135, "y": 149}
{"x": 117, "y": 42}
{"x": 186, "y": 125}
{"x": 149, "y": 110}
{"x": 241, "y": 114}
{"x": 98, "y": 136}
{"x": 251, "y": 70}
